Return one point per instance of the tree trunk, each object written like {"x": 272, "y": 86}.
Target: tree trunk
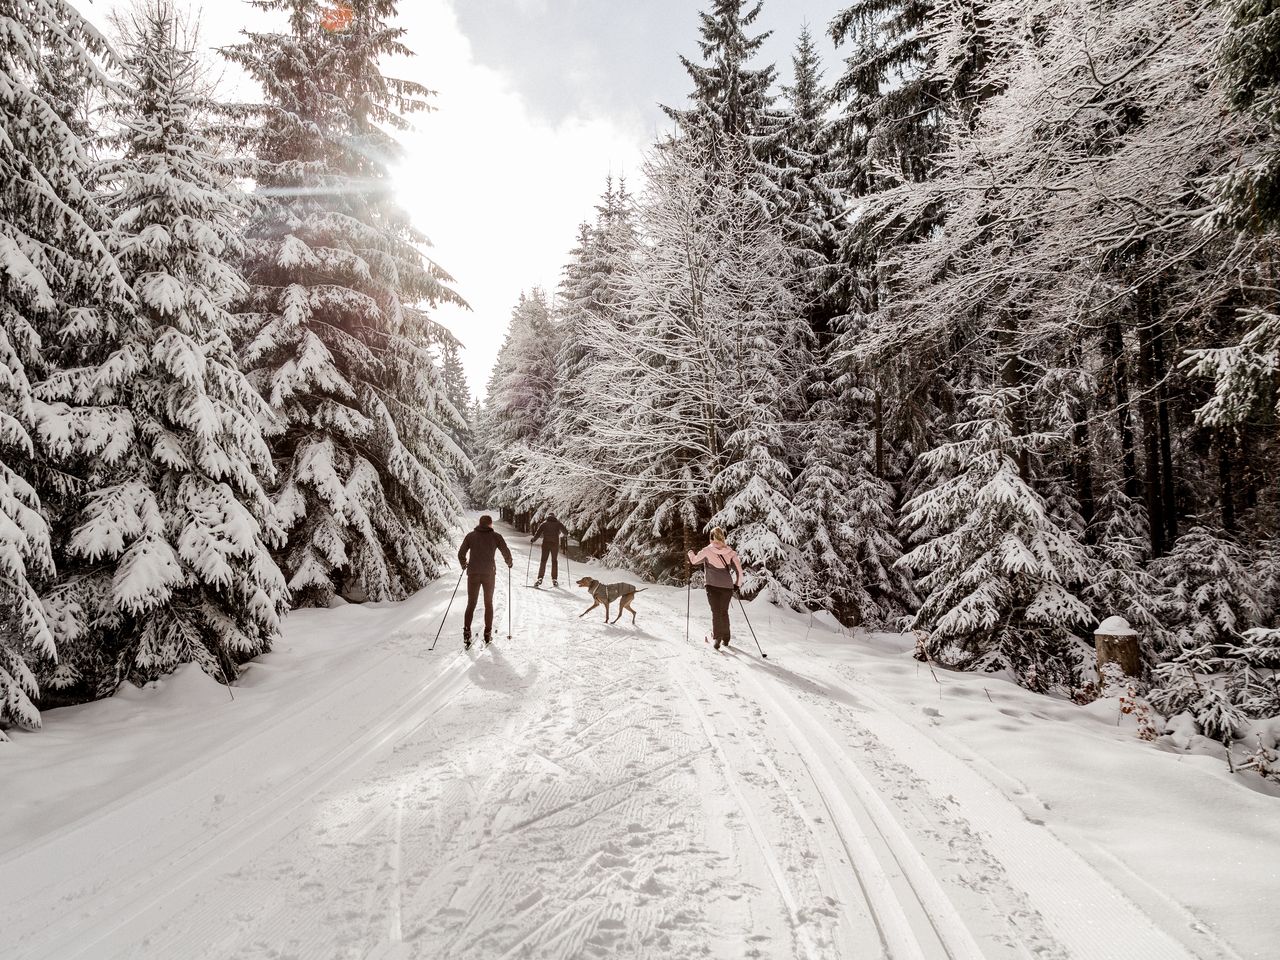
{"x": 1226, "y": 485}
{"x": 1150, "y": 428}
{"x": 879, "y": 427}
{"x": 1114, "y": 344}
{"x": 1013, "y": 374}
{"x": 1168, "y": 482}
{"x": 1084, "y": 469}
{"x": 1122, "y": 650}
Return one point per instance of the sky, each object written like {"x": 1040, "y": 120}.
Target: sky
{"x": 537, "y": 102}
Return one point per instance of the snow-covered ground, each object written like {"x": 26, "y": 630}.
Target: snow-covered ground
{"x": 584, "y": 790}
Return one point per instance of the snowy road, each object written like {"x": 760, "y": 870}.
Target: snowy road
{"x": 579, "y": 791}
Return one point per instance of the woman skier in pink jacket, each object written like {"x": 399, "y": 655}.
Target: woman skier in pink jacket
{"x": 724, "y": 576}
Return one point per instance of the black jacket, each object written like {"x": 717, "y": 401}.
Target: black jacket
{"x": 550, "y": 531}
{"x": 482, "y": 543}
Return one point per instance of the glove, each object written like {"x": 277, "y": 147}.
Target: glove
{"x": 508, "y": 564}
{"x": 737, "y": 592}
{"x": 464, "y": 566}
{"x": 531, "y": 539}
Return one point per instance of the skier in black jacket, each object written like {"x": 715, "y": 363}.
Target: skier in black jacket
{"x": 550, "y": 531}
{"x": 476, "y": 557}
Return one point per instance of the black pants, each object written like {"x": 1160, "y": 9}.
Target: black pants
{"x": 720, "y": 598}
{"x": 474, "y": 583}
{"x": 551, "y": 550}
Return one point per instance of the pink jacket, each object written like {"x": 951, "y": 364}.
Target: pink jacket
{"x": 717, "y": 556}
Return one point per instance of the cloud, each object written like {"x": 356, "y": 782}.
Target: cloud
{"x": 498, "y": 189}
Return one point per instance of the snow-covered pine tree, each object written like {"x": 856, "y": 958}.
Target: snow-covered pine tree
{"x": 884, "y": 128}
{"x": 731, "y": 110}
{"x": 167, "y": 561}
{"x": 890, "y": 95}
{"x": 1213, "y": 671}
{"x": 730, "y": 98}
{"x": 590, "y": 319}
{"x": 686, "y": 409}
{"x": 809, "y": 203}
{"x": 336, "y": 269}
{"x": 1120, "y": 583}
{"x": 518, "y": 407}
{"x": 55, "y": 271}
{"x": 458, "y": 393}
{"x": 1250, "y": 54}
{"x": 1001, "y": 579}
{"x": 521, "y": 401}
{"x": 846, "y": 518}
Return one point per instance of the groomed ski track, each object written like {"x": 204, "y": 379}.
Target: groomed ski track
{"x": 581, "y": 790}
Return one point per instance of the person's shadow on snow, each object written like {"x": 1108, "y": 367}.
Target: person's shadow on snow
{"x": 805, "y": 684}
{"x": 490, "y": 670}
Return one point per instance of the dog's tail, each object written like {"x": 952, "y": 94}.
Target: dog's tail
{"x": 641, "y": 590}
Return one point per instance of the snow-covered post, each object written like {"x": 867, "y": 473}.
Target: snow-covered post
{"x": 1117, "y": 643}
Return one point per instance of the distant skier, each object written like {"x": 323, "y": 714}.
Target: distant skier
{"x": 720, "y": 562}
{"x": 476, "y": 557}
{"x": 550, "y": 530}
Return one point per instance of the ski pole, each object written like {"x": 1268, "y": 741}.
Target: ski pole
{"x": 527, "y": 561}
{"x": 446, "y": 612}
{"x": 568, "y": 570}
{"x": 751, "y": 628}
{"x": 688, "y": 602}
{"x": 508, "y": 601}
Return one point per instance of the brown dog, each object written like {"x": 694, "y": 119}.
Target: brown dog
{"x": 605, "y": 593}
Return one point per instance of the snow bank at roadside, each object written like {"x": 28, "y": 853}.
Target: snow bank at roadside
{"x": 90, "y": 756}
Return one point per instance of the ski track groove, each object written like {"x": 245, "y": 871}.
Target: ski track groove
{"x": 850, "y": 897}
{"x": 953, "y": 936}
{"x": 765, "y": 847}
{"x": 1097, "y": 896}
{"x": 144, "y": 886}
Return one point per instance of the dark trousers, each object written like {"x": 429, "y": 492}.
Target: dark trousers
{"x": 474, "y": 583}
{"x": 720, "y": 598}
{"x": 551, "y": 550}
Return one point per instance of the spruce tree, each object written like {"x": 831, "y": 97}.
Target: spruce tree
{"x": 730, "y": 99}
{"x": 1220, "y": 667}
{"x": 590, "y": 317}
{"x": 890, "y": 94}
{"x": 731, "y": 113}
{"x": 56, "y": 273}
{"x": 1251, "y": 70}
{"x": 457, "y": 414}
{"x": 168, "y": 560}
{"x": 810, "y": 204}
{"x": 1001, "y": 579}
{"x": 342, "y": 352}
{"x": 518, "y": 405}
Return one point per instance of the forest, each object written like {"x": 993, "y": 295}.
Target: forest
{"x": 973, "y": 333}
{"x": 222, "y": 393}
